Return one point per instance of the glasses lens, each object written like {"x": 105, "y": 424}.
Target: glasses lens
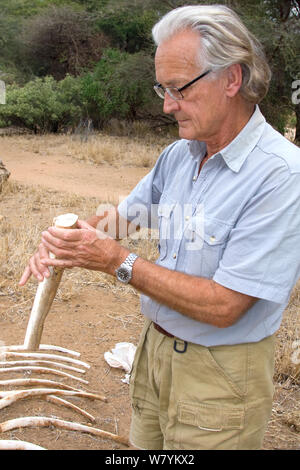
{"x": 174, "y": 93}
{"x": 160, "y": 91}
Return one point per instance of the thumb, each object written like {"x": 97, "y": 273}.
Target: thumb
{"x": 83, "y": 224}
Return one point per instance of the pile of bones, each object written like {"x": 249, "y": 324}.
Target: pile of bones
{"x": 34, "y": 357}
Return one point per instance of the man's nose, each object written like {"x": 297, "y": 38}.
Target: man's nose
{"x": 170, "y": 105}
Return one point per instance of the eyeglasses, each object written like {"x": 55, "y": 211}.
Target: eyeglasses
{"x": 174, "y": 92}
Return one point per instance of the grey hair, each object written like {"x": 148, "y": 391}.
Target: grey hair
{"x": 225, "y": 41}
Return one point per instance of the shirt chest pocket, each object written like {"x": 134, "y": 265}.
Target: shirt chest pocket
{"x": 167, "y": 229}
{"x": 204, "y": 251}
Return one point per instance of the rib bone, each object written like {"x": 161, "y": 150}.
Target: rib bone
{"x": 48, "y": 383}
{"x": 43, "y": 421}
{"x": 18, "y": 445}
{"x": 44, "y": 347}
{"x": 9, "y": 397}
{"x": 38, "y": 362}
{"x": 61, "y": 401}
{"x": 36, "y": 355}
{"x": 42, "y": 370}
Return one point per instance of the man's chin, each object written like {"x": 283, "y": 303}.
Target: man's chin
{"x": 185, "y": 133}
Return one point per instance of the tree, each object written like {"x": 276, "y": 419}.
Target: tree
{"x": 121, "y": 87}
{"x": 62, "y": 40}
{"x": 276, "y": 24}
{"x": 129, "y": 30}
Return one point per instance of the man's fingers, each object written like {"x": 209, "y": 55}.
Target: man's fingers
{"x": 83, "y": 224}
{"x": 36, "y": 267}
{"x": 51, "y": 241}
{"x": 32, "y": 269}
{"x": 53, "y": 247}
{"x": 58, "y": 263}
{"x": 43, "y": 253}
{"x": 25, "y": 276}
{"x": 64, "y": 234}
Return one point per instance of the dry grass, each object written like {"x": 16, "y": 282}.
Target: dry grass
{"x": 284, "y": 425}
{"x": 99, "y": 148}
{"x": 287, "y": 364}
{"x": 132, "y": 145}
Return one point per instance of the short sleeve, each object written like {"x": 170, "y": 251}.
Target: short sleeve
{"x": 261, "y": 257}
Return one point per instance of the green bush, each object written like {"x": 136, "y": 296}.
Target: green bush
{"x": 129, "y": 28}
{"x": 42, "y": 104}
{"x": 121, "y": 86}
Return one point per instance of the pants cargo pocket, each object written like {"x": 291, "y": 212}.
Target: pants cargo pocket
{"x": 208, "y": 427}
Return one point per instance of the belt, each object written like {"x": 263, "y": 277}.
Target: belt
{"x": 161, "y": 330}
{"x": 180, "y": 345}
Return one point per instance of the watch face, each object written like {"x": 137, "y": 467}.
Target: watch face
{"x": 123, "y": 274}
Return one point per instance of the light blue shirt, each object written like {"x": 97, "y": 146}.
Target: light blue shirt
{"x": 237, "y": 223}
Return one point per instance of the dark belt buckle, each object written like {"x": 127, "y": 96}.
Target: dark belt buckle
{"x": 182, "y": 346}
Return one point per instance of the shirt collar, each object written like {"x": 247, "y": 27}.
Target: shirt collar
{"x": 237, "y": 151}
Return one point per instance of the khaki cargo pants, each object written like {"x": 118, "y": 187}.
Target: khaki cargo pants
{"x": 204, "y": 398}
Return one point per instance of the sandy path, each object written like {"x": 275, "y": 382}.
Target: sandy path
{"x": 65, "y": 173}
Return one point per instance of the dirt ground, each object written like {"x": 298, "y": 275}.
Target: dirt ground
{"x": 91, "y": 321}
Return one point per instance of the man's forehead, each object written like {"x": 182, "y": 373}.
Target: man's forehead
{"x": 179, "y": 53}
{"x": 172, "y": 69}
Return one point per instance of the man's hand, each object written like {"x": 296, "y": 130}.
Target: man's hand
{"x": 84, "y": 247}
{"x": 35, "y": 266}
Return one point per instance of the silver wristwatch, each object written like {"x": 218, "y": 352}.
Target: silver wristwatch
{"x": 124, "y": 272}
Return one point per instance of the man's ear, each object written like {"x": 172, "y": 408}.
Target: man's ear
{"x": 234, "y": 80}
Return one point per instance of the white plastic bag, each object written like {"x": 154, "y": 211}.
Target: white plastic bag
{"x": 122, "y": 357}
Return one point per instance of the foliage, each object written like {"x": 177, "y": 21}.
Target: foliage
{"x": 129, "y": 29}
{"x": 43, "y": 104}
{"x": 60, "y": 37}
{"x": 62, "y": 40}
{"x": 120, "y": 86}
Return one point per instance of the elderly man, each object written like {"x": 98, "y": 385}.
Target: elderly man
{"x": 227, "y": 197}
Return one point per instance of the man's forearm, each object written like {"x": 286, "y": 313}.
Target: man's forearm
{"x": 198, "y": 298}
{"x": 201, "y": 299}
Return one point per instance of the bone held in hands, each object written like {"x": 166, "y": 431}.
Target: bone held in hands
{"x": 45, "y": 293}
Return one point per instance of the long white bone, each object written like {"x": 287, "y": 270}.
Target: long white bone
{"x": 42, "y": 370}
{"x": 36, "y": 355}
{"x": 45, "y": 293}
{"x": 42, "y": 421}
{"x": 9, "y": 397}
{"x": 41, "y": 363}
{"x": 61, "y": 401}
{"x": 45, "y": 382}
{"x": 18, "y": 445}
{"x": 43, "y": 347}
